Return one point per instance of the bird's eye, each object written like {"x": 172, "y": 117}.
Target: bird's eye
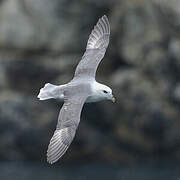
{"x": 105, "y": 91}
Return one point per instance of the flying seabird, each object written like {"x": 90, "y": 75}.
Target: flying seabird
{"x": 82, "y": 88}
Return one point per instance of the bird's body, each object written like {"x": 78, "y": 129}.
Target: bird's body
{"x": 81, "y": 89}
{"x": 94, "y": 91}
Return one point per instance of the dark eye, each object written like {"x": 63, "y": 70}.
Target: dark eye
{"x": 105, "y": 91}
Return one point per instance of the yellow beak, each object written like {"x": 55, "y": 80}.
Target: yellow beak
{"x": 113, "y": 100}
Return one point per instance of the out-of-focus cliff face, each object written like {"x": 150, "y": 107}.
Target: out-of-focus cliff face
{"x": 42, "y": 41}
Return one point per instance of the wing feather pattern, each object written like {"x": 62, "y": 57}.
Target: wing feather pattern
{"x": 68, "y": 121}
{"x": 96, "y": 47}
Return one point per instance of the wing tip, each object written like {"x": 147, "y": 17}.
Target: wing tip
{"x": 58, "y": 145}
{"x": 52, "y": 158}
{"x": 105, "y": 16}
{"x": 50, "y": 162}
{"x": 104, "y": 23}
{"x": 101, "y": 28}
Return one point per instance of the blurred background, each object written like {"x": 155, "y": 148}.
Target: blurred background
{"x": 138, "y": 137}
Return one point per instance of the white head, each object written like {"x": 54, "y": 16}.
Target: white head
{"x": 102, "y": 92}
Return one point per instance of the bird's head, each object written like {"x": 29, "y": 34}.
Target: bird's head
{"x": 105, "y": 92}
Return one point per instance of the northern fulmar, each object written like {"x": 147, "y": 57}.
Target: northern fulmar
{"x": 82, "y": 88}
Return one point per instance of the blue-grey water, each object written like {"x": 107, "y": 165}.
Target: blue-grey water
{"x": 42, "y": 171}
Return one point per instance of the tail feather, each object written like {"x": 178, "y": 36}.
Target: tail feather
{"x": 50, "y": 91}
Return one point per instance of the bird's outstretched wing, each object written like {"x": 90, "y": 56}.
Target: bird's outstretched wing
{"x": 68, "y": 121}
{"x": 96, "y": 47}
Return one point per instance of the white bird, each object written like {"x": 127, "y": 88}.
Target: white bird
{"x": 82, "y": 88}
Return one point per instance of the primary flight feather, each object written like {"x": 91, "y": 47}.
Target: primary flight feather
{"x": 82, "y": 88}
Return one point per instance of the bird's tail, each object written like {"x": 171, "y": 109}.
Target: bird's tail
{"x": 50, "y": 91}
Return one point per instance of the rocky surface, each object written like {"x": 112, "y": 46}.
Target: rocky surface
{"x": 42, "y": 41}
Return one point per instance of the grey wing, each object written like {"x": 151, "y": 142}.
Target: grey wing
{"x": 96, "y": 47}
{"x": 68, "y": 121}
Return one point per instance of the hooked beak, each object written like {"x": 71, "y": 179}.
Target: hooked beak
{"x": 113, "y": 99}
